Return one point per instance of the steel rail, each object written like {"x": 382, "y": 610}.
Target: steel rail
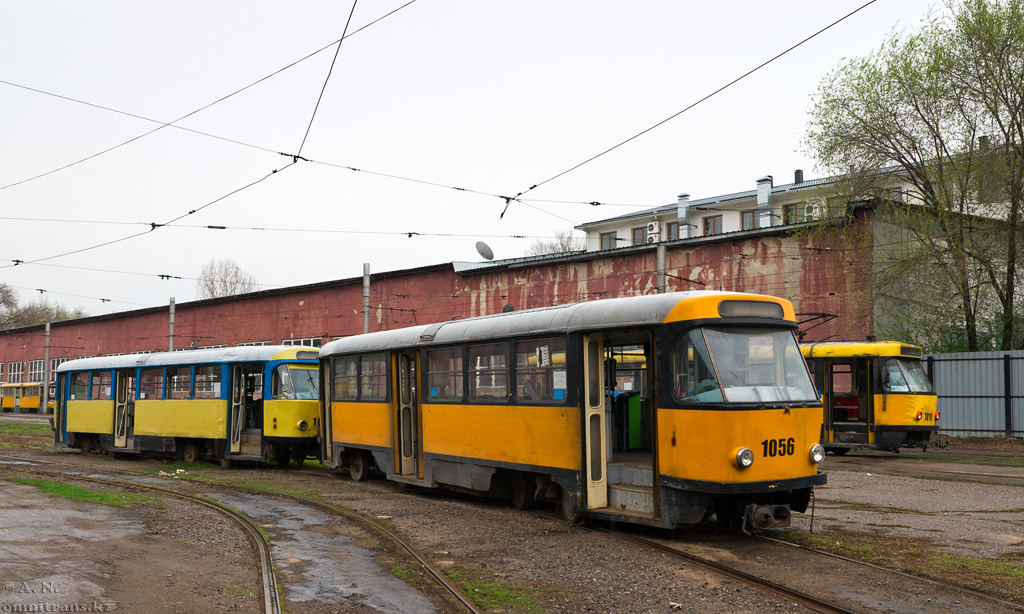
{"x": 260, "y": 542}
{"x": 432, "y": 571}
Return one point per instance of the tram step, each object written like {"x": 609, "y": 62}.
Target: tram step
{"x": 630, "y": 475}
{"x": 250, "y": 436}
{"x": 637, "y": 499}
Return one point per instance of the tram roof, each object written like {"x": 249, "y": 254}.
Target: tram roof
{"x": 248, "y": 353}
{"x": 625, "y": 312}
{"x": 846, "y": 349}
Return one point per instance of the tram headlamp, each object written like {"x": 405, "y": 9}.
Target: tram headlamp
{"x": 744, "y": 458}
{"x": 817, "y": 453}
{"x": 303, "y": 425}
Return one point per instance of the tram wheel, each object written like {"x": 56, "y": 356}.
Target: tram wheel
{"x": 87, "y": 445}
{"x": 190, "y": 452}
{"x": 225, "y": 463}
{"x": 839, "y": 451}
{"x": 299, "y": 455}
{"x": 519, "y": 491}
{"x": 565, "y": 508}
{"x": 358, "y": 468}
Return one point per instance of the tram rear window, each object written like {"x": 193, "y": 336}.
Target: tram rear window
{"x": 79, "y": 386}
{"x": 151, "y": 384}
{"x": 540, "y": 371}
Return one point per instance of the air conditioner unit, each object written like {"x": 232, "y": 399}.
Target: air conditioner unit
{"x": 812, "y": 212}
{"x": 654, "y": 228}
{"x": 653, "y": 238}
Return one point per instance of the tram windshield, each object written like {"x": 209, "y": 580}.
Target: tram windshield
{"x": 294, "y": 382}
{"x": 740, "y": 365}
{"x": 900, "y": 375}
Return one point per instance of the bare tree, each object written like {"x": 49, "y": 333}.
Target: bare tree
{"x": 224, "y": 278}
{"x": 564, "y": 241}
{"x": 14, "y": 314}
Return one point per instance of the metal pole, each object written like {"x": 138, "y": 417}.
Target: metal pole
{"x": 44, "y": 406}
{"x": 1008, "y": 393}
{"x": 661, "y": 268}
{"x": 170, "y": 343}
{"x": 366, "y": 297}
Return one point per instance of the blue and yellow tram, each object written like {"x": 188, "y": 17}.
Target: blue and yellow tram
{"x": 659, "y": 410}
{"x": 232, "y": 404}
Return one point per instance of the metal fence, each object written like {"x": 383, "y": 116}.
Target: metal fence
{"x": 980, "y": 393}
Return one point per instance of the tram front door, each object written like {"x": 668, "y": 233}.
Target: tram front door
{"x": 124, "y": 408}
{"x": 406, "y": 431}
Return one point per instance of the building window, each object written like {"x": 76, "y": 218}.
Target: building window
{"x": 54, "y": 363}
{"x": 444, "y": 374}
{"x": 640, "y": 235}
{"x": 713, "y": 225}
{"x": 251, "y": 343}
{"x": 608, "y": 240}
{"x": 144, "y": 352}
{"x": 312, "y": 342}
{"x": 14, "y": 371}
{"x": 673, "y": 231}
{"x": 748, "y": 219}
{"x": 35, "y": 370}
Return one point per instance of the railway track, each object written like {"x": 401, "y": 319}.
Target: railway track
{"x": 259, "y": 540}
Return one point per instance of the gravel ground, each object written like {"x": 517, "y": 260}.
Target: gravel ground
{"x": 564, "y": 568}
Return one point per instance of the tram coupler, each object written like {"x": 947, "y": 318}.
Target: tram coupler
{"x": 766, "y": 516}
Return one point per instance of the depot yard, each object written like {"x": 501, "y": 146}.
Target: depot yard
{"x": 953, "y": 514}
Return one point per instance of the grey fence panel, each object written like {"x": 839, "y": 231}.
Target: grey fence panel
{"x": 980, "y": 393}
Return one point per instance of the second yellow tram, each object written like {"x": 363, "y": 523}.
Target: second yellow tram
{"x": 876, "y": 394}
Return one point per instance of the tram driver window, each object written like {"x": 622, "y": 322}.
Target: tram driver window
{"x": 694, "y": 375}
{"x": 540, "y": 371}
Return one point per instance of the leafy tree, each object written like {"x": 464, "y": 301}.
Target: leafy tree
{"x": 564, "y": 241}
{"x": 930, "y": 128}
{"x": 14, "y": 314}
{"x": 224, "y": 278}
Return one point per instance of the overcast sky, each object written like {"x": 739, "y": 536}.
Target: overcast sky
{"x": 489, "y": 97}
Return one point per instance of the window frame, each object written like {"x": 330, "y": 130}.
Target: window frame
{"x": 519, "y": 377}
{"x": 453, "y": 377}
{"x": 473, "y": 374}
{"x": 638, "y": 235}
{"x": 715, "y": 222}
{"x": 750, "y": 214}
{"x": 672, "y": 231}
{"x": 609, "y": 240}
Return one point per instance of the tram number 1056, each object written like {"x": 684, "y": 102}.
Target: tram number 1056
{"x": 779, "y": 447}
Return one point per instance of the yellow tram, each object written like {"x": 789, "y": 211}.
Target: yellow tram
{"x": 875, "y": 395}
{"x": 659, "y": 410}
{"x": 256, "y": 403}
{"x": 24, "y": 398}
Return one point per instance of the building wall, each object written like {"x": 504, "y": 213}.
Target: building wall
{"x": 815, "y": 276}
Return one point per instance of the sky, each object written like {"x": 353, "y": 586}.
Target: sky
{"x": 443, "y": 106}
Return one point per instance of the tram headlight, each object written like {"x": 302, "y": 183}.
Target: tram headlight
{"x": 817, "y": 453}
{"x": 744, "y": 458}
{"x": 303, "y": 425}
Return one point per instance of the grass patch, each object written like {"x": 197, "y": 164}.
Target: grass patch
{"x": 499, "y": 596}
{"x": 236, "y": 591}
{"x": 25, "y": 435}
{"x": 1000, "y": 578}
{"x": 70, "y": 491}
{"x": 25, "y": 428}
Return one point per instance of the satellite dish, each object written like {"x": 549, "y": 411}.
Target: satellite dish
{"x": 484, "y": 250}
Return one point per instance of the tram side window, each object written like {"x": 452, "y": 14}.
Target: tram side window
{"x": 373, "y": 377}
{"x": 540, "y": 370}
{"x": 179, "y": 382}
{"x": 208, "y": 382}
{"x": 444, "y": 374}
{"x": 101, "y": 386}
{"x": 346, "y": 378}
{"x": 80, "y": 386}
{"x": 694, "y": 376}
{"x": 151, "y": 384}
{"x": 488, "y": 375}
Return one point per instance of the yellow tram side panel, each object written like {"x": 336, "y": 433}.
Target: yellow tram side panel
{"x": 528, "y": 435}
{"x": 90, "y": 417}
{"x": 199, "y": 418}
{"x": 901, "y": 410}
{"x": 281, "y": 418}
{"x": 365, "y": 424}
{"x": 707, "y": 442}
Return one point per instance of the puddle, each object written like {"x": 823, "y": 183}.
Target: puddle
{"x": 317, "y": 564}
